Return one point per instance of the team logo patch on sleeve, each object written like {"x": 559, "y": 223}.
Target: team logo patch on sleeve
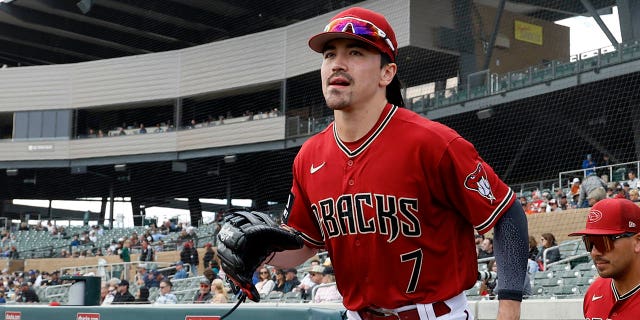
{"x": 478, "y": 182}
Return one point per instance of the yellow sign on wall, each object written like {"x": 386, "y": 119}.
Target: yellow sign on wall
{"x": 528, "y": 32}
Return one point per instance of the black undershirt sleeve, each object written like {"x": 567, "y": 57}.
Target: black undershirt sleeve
{"x": 511, "y": 248}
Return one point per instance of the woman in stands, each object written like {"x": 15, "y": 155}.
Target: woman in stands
{"x": 219, "y": 292}
{"x": 552, "y": 255}
{"x": 279, "y": 280}
{"x": 265, "y": 284}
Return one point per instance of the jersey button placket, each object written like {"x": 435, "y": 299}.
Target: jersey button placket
{"x": 349, "y": 175}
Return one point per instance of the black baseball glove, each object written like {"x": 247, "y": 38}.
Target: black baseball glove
{"x": 245, "y": 241}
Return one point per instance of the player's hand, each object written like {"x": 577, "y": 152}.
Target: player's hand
{"x": 508, "y": 310}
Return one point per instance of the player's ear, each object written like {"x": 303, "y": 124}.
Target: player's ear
{"x": 636, "y": 243}
{"x": 387, "y": 73}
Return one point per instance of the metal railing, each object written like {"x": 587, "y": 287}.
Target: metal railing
{"x": 613, "y": 175}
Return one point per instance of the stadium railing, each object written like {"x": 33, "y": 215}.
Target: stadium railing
{"x": 544, "y": 73}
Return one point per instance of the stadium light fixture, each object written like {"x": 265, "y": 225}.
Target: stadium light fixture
{"x": 230, "y": 158}
{"x": 484, "y": 114}
{"x": 12, "y": 172}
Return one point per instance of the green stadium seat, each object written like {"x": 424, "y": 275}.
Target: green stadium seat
{"x": 553, "y": 282}
{"x": 292, "y": 297}
{"x": 564, "y": 291}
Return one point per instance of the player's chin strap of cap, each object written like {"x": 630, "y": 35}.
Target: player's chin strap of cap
{"x": 241, "y": 299}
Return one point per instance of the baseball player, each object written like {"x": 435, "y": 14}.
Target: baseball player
{"x": 611, "y": 236}
{"x": 383, "y": 187}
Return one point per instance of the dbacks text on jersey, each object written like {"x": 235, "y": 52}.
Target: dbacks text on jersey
{"x": 346, "y": 215}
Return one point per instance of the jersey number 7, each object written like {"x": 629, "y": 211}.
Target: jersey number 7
{"x": 417, "y": 266}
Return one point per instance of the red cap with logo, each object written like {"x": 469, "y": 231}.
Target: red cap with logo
{"x": 612, "y": 216}
{"x": 360, "y": 24}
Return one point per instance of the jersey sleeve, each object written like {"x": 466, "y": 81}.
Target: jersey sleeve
{"x": 298, "y": 214}
{"x": 472, "y": 186}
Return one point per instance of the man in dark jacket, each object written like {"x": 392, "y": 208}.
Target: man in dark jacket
{"x": 146, "y": 254}
{"x": 189, "y": 255}
{"x": 123, "y": 295}
{"x": 27, "y": 294}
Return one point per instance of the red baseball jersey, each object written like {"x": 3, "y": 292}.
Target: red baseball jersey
{"x": 602, "y": 301}
{"x": 396, "y": 209}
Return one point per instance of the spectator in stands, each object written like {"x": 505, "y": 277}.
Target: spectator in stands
{"x": 125, "y": 251}
{"x": 621, "y": 193}
{"x": 219, "y": 292}
{"x": 180, "y": 272}
{"x": 93, "y": 237}
{"x": 183, "y": 237}
{"x": 588, "y": 164}
{"x": 209, "y": 253}
{"x": 486, "y": 249}
{"x": 122, "y": 132}
{"x": 189, "y": 255}
{"x": 210, "y": 275}
{"x": 153, "y": 279}
{"x": 575, "y": 188}
{"x": 3, "y": 300}
{"x": 552, "y": 255}
{"x": 291, "y": 278}
{"x": 204, "y": 295}
{"x": 55, "y": 279}
{"x": 329, "y": 292}
{"x": 111, "y": 293}
{"x": 536, "y": 201}
{"x": 123, "y": 295}
{"x": 592, "y": 190}
{"x": 104, "y": 291}
{"x": 13, "y": 253}
{"x": 633, "y": 180}
{"x": 166, "y": 297}
{"x": 140, "y": 276}
{"x": 142, "y": 130}
{"x": 315, "y": 278}
{"x": 27, "y": 294}
{"x": 159, "y": 246}
{"x": 634, "y": 195}
{"x": 265, "y": 284}
{"x": 533, "y": 248}
{"x": 279, "y": 280}
{"x": 74, "y": 244}
{"x": 553, "y": 206}
{"x": 479, "y": 239}
{"x": 146, "y": 252}
{"x": 564, "y": 203}
{"x": 158, "y": 128}
{"x": 142, "y": 296}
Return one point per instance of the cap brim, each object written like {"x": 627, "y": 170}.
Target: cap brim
{"x": 596, "y": 232}
{"x": 317, "y": 42}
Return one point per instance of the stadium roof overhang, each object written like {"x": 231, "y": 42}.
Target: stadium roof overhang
{"x": 37, "y": 32}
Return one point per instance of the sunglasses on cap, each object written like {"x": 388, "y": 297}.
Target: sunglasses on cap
{"x": 603, "y": 242}
{"x": 361, "y": 28}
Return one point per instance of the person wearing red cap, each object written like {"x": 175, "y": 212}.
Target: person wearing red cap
{"x": 611, "y": 236}
{"x": 382, "y": 185}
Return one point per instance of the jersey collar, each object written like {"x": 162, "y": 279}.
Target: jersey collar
{"x": 381, "y": 125}
{"x": 626, "y": 295}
